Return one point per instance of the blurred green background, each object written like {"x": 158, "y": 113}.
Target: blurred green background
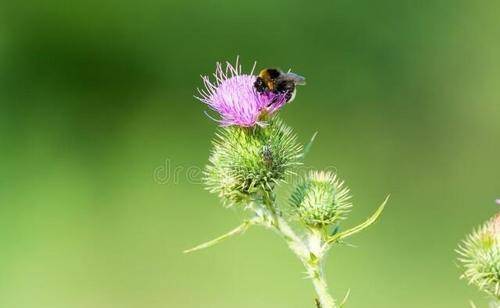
{"x": 101, "y": 144}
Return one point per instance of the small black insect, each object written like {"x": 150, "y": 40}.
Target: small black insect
{"x": 267, "y": 155}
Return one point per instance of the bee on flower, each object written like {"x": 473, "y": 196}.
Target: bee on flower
{"x": 247, "y": 100}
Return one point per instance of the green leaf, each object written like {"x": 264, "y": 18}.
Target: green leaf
{"x": 360, "y": 227}
{"x": 344, "y": 300}
{"x": 308, "y": 146}
{"x": 238, "y": 230}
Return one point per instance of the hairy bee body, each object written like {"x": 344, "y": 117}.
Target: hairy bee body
{"x": 275, "y": 81}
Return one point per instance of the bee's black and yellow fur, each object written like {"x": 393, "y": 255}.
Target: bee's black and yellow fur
{"x": 276, "y": 81}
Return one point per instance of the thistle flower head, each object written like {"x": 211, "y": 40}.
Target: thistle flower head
{"x": 480, "y": 257}
{"x": 246, "y": 161}
{"x": 234, "y": 97}
{"x": 321, "y": 199}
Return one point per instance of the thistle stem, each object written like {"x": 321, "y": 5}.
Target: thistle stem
{"x": 295, "y": 243}
{"x": 321, "y": 288}
{"x": 274, "y": 221}
{"x": 314, "y": 265}
{"x": 304, "y": 252}
{"x": 495, "y": 304}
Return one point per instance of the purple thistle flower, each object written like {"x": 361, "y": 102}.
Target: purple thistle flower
{"x": 235, "y": 98}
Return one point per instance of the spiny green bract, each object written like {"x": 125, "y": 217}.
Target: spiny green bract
{"x": 480, "y": 257}
{"x": 246, "y": 161}
{"x": 320, "y": 199}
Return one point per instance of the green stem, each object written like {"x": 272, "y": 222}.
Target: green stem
{"x": 321, "y": 288}
{"x": 314, "y": 265}
{"x": 310, "y": 253}
{"x": 276, "y": 223}
{"x": 307, "y": 254}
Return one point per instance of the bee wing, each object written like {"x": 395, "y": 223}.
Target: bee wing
{"x": 297, "y": 79}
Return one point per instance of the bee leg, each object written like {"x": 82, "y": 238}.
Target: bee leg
{"x": 274, "y": 100}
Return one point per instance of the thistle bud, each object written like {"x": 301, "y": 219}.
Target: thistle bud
{"x": 321, "y": 199}
{"x": 480, "y": 257}
{"x": 246, "y": 161}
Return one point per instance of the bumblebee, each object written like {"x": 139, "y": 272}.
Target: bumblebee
{"x": 276, "y": 81}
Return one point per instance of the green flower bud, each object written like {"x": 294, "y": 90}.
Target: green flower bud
{"x": 480, "y": 257}
{"x": 249, "y": 160}
{"x": 321, "y": 199}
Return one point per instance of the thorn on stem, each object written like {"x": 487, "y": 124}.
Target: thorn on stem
{"x": 318, "y": 304}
